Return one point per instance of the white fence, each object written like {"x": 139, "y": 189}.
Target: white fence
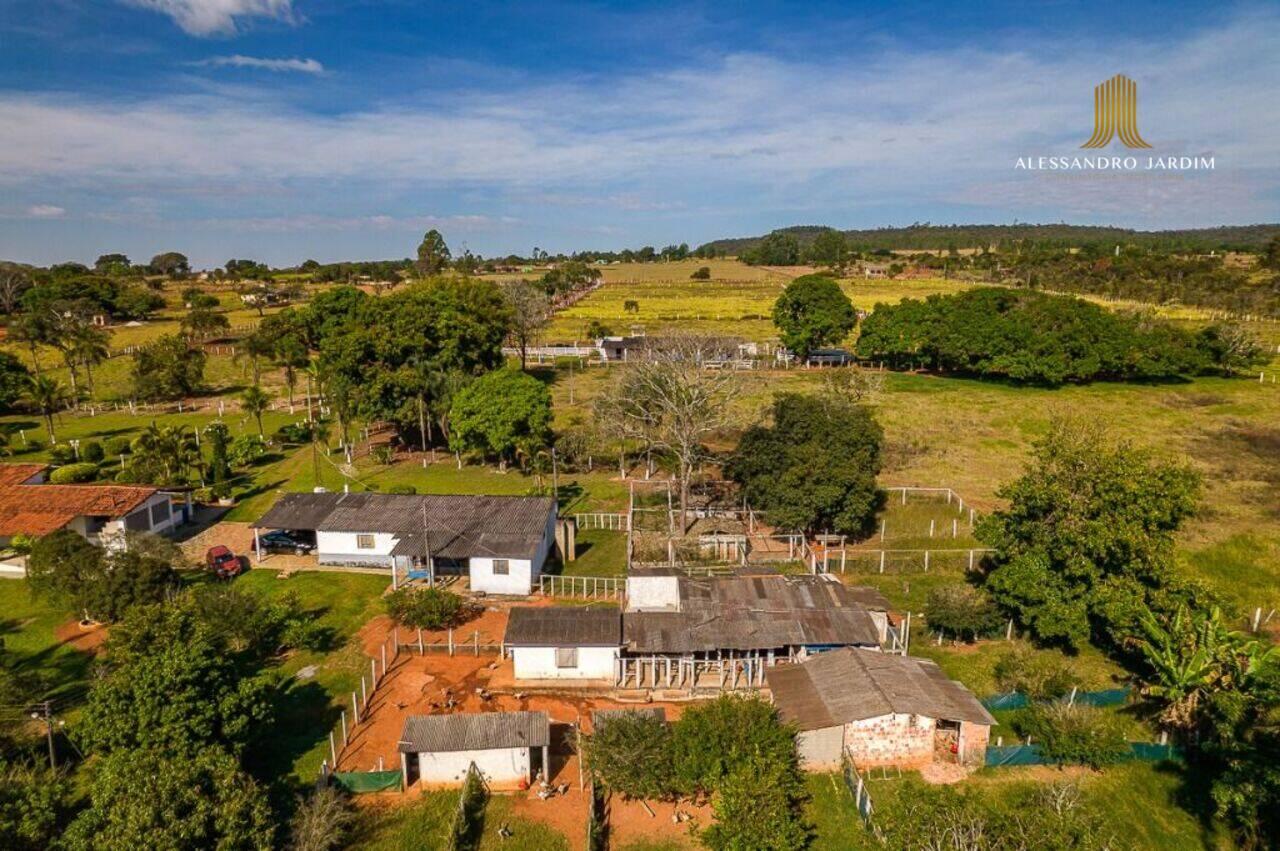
{"x": 603, "y": 520}
{"x": 585, "y": 587}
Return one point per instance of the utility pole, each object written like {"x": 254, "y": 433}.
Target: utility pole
{"x": 45, "y": 711}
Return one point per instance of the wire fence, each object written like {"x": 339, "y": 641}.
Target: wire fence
{"x": 1004, "y": 756}
{"x": 1102, "y": 698}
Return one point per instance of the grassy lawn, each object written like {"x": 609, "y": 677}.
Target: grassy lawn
{"x": 600, "y": 553}
{"x": 1138, "y": 802}
{"x": 312, "y": 702}
{"x": 423, "y": 825}
{"x": 27, "y": 627}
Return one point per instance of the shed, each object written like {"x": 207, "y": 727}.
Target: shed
{"x": 549, "y": 643}
{"x": 880, "y": 709}
{"x": 507, "y": 748}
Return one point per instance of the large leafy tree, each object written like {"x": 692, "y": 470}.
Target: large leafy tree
{"x": 814, "y": 467}
{"x": 777, "y": 249}
{"x": 153, "y": 798}
{"x": 173, "y": 683}
{"x": 813, "y": 312}
{"x": 93, "y": 582}
{"x": 433, "y": 254}
{"x": 1086, "y": 542}
{"x": 171, "y": 263}
{"x": 48, "y": 395}
{"x": 167, "y": 369}
{"x": 14, "y": 380}
{"x": 34, "y": 806}
{"x": 502, "y": 413}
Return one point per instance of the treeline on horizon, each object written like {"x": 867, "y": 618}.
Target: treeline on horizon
{"x": 1037, "y": 338}
{"x": 928, "y": 237}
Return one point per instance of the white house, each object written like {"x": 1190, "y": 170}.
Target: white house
{"x": 509, "y": 749}
{"x": 879, "y": 709}
{"x": 552, "y": 643}
{"x": 500, "y": 542}
{"x": 101, "y": 514}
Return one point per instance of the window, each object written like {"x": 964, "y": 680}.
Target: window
{"x": 502, "y": 567}
{"x": 159, "y": 513}
{"x": 566, "y": 657}
{"x": 364, "y": 542}
{"x": 137, "y": 521}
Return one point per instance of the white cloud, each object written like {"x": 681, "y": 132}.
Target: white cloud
{"x": 305, "y": 66}
{"x": 45, "y": 211}
{"x": 903, "y": 128}
{"x": 216, "y": 17}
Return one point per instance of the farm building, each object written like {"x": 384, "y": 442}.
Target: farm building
{"x": 547, "y": 643}
{"x": 507, "y": 748}
{"x": 880, "y": 709}
{"x": 500, "y": 542}
{"x": 101, "y": 514}
{"x": 620, "y": 348}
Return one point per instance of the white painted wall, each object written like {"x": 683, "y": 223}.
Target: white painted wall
{"x": 506, "y": 766}
{"x": 340, "y": 548}
{"x": 819, "y": 750}
{"x": 519, "y": 579}
{"x": 539, "y": 663}
{"x": 653, "y": 593}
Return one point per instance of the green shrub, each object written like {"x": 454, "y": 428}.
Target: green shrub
{"x": 702, "y": 273}
{"x": 294, "y": 433}
{"x": 92, "y": 452}
{"x": 714, "y": 738}
{"x": 758, "y": 806}
{"x": 407, "y": 489}
{"x": 74, "y": 474}
{"x": 117, "y": 446}
{"x": 62, "y": 454}
{"x": 961, "y": 609}
{"x": 631, "y": 755}
{"x": 21, "y": 543}
{"x": 1040, "y": 676}
{"x": 1075, "y": 734}
{"x": 246, "y": 449}
{"x": 428, "y": 608}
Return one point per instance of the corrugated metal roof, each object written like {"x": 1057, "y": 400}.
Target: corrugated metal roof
{"x": 754, "y": 613}
{"x": 852, "y": 684}
{"x": 474, "y": 732}
{"x": 458, "y": 525}
{"x": 604, "y": 716}
{"x": 544, "y": 626}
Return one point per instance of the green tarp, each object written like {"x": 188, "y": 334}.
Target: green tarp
{"x": 1015, "y": 700}
{"x": 367, "y": 781}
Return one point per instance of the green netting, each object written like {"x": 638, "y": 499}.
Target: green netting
{"x": 1016, "y": 700}
{"x": 367, "y": 781}
{"x": 1030, "y": 754}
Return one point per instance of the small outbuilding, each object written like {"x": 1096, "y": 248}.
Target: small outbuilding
{"x": 507, "y": 748}
{"x": 562, "y": 643}
{"x": 879, "y": 709}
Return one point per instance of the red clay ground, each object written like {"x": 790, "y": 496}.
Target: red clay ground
{"x": 437, "y": 683}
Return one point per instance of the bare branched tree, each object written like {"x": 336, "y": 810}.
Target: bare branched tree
{"x": 530, "y": 310}
{"x": 667, "y": 399}
{"x": 853, "y": 384}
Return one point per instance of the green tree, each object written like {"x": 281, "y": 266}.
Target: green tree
{"x": 167, "y": 369}
{"x": 255, "y": 402}
{"x": 961, "y": 609}
{"x": 156, "y": 799}
{"x": 49, "y": 395}
{"x": 219, "y": 437}
{"x": 1271, "y": 254}
{"x": 203, "y": 322}
{"x": 631, "y": 755}
{"x": 163, "y": 455}
{"x": 171, "y": 264}
{"x": 1086, "y": 542}
{"x": 777, "y": 249}
{"x": 88, "y": 346}
{"x": 95, "y": 583}
{"x": 714, "y": 739}
{"x": 433, "y": 254}
{"x": 34, "y": 807}
{"x": 173, "y": 684}
{"x": 775, "y": 464}
{"x": 428, "y": 608}
{"x": 813, "y": 312}
{"x": 15, "y": 379}
{"x": 758, "y": 808}
{"x": 829, "y": 248}
{"x": 499, "y": 413}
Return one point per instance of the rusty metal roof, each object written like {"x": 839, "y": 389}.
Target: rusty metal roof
{"x": 852, "y": 684}
{"x": 457, "y": 525}
{"x": 755, "y": 613}
{"x": 545, "y": 626}
{"x": 474, "y": 732}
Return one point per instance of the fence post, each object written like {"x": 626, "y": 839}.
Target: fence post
{"x": 882, "y": 561}
{"x": 333, "y": 751}
{"x": 422, "y": 651}
{"x": 384, "y": 661}
{"x": 344, "y": 724}
{"x": 450, "y": 641}
{"x": 355, "y": 707}
{"x": 926, "y": 561}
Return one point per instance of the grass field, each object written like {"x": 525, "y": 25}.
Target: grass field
{"x": 424, "y": 826}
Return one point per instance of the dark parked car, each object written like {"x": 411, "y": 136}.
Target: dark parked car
{"x": 285, "y": 542}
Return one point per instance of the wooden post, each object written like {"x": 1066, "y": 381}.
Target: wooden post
{"x": 333, "y": 750}
{"x": 450, "y": 641}
{"x": 882, "y": 561}
{"x": 384, "y": 661}
{"x": 422, "y": 651}
{"x": 355, "y": 707}
{"x": 926, "y": 561}
{"x": 373, "y": 674}
{"x": 477, "y": 640}
{"x": 344, "y": 722}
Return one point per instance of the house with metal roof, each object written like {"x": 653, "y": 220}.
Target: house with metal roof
{"x": 560, "y": 643}
{"x": 101, "y": 514}
{"x": 500, "y": 542}
{"x": 507, "y": 748}
{"x": 878, "y": 709}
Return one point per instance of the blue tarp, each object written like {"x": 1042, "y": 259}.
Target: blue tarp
{"x": 1004, "y": 755}
{"x": 1016, "y": 700}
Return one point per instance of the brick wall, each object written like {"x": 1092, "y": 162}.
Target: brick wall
{"x": 973, "y": 742}
{"x": 902, "y": 740}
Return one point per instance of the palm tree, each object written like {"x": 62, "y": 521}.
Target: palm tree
{"x": 32, "y": 330}
{"x": 172, "y": 450}
{"x": 88, "y": 346}
{"x": 255, "y": 348}
{"x": 290, "y": 355}
{"x": 255, "y": 401}
{"x": 48, "y": 394}
{"x": 319, "y": 435}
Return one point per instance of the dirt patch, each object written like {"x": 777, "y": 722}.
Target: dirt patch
{"x": 943, "y": 773}
{"x": 87, "y": 639}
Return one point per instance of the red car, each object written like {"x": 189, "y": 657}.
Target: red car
{"x": 224, "y": 563}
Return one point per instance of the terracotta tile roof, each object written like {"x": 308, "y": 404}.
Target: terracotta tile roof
{"x": 16, "y": 474}
{"x": 43, "y": 508}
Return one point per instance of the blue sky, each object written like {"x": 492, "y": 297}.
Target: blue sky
{"x": 342, "y": 129}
